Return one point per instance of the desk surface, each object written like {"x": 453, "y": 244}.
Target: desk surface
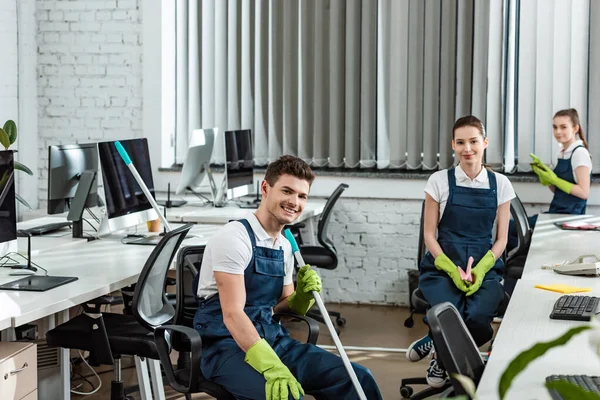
{"x": 222, "y": 215}
{"x": 527, "y": 318}
{"x": 102, "y": 266}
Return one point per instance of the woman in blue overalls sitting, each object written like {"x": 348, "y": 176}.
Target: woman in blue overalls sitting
{"x": 571, "y": 178}
{"x": 246, "y": 274}
{"x": 462, "y": 204}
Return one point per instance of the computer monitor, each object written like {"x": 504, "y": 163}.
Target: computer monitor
{"x": 240, "y": 162}
{"x": 8, "y": 212}
{"x": 197, "y": 160}
{"x": 126, "y": 204}
{"x": 66, "y": 165}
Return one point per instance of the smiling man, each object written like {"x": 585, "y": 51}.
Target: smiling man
{"x": 246, "y": 274}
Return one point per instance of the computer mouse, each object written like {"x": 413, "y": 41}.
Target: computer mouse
{"x": 23, "y": 272}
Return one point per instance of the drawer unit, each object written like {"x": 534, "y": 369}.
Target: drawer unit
{"x": 18, "y": 370}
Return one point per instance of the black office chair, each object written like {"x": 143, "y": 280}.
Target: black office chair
{"x": 420, "y": 305}
{"x": 325, "y": 255}
{"x": 108, "y": 336}
{"x": 456, "y": 349}
{"x": 186, "y": 376}
{"x": 515, "y": 259}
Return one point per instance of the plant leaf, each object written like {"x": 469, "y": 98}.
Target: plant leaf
{"x": 4, "y": 139}
{"x": 522, "y": 360}
{"x": 571, "y": 391}
{"x": 22, "y": 201}
{"x": 11, "y": 130}
{"x": 23, "y": 168}
{"x": 467, "y": 384}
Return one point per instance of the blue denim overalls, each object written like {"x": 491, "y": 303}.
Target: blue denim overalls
{"x": 466, "y": 230}
{"x": 563, "y": 203}
{"x": 321, "y": 374}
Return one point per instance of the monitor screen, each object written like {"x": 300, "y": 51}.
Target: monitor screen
{"x": 239, "y": 157}
{"x": 66, "y": 163}
{"x": 123, "y": 194}
{"x": 8, "y": 212}
{"x": 201, "y": 144}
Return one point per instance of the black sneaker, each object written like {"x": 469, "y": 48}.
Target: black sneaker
{"x": 419, "y": 349}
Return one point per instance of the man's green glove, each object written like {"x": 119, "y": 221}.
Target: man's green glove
{"x": 280, "y": 381}
{"x": 443, "y": 263}
{"x": 482, "y": 268}
{"x": 302, "y": 299}
{"x": 548, "y": 175}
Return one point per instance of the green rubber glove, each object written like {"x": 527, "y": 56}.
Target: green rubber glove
{"x": 549, "y": 176}
{"x": 482, "y": 268}
{"x": 280, "y": 381}
{"x": 541, "y": 174}
{"x": 443, "y": 263}
{"x": 302, "y": 299}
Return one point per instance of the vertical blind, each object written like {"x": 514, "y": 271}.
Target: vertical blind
{"x": 379, "y": 84}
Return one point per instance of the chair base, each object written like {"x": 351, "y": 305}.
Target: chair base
{"x": 406, "y": 391}
{"x": 317, "y": 316}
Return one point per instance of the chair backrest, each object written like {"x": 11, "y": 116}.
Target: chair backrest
{"x": 421, "y": 250}
{"x": 524, "y": 231}
{"x": 323, "y": 225}
{"x": 150, "y": 305}
{"x": 189, "y": 261}
{"x": 454, "y": 346}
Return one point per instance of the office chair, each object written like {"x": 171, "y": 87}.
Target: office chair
{"x": 515, "y": 259}
{"x": 325, "y": 255}
{"x": 108, "y": 336}
{"x": 186, "y": 376}
{"x": 420, "y": 306}
{"x": 455, "y": 348}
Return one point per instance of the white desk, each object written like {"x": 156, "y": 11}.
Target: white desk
{"x": 527, "y": 321}
{"x": 222, "y": 215}
{"x": 61, "y": 238}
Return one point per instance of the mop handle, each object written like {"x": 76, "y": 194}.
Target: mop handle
{"x": 140, "y": 181}
{"x": 336, "y": 339}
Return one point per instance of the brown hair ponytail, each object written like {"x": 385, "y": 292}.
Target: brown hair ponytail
{"x": 574, "y": 117}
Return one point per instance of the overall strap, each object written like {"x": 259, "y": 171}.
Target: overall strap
{"x": 250, "y": 232}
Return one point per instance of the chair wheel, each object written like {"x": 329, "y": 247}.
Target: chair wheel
{"x": 409, "y": 322}
{"x": 406, "y": 392}
{"x": 341, "y": 321}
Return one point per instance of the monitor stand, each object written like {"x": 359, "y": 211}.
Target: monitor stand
{"x": 219, "y": 193}
{"x": 86, "y": 180}
{"x": 170, "y": 203}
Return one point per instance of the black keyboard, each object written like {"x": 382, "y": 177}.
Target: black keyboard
{"x": 575, "y": 308}
{"x": 43, "y": 229}
{"x": 589, "y": 383}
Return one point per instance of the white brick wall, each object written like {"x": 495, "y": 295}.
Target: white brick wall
{"x": 8, "y": 68}
{"x": 376, "y": 242}
{"x": 89, "y": 74}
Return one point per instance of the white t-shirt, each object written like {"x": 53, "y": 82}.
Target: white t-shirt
{"x": 230, "y": 250}
{"x": 580, "y": 158}
{"x": 439, "y": 188}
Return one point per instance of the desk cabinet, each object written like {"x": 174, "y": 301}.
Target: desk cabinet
{"x": 18, "y": 370}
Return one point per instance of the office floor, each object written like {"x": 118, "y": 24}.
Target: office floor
{"x": 372, "y": 326}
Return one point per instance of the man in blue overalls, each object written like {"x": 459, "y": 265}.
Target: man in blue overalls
{"x": 246, "y": 274}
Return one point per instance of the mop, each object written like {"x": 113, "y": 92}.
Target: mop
{"x": 336, "y": 339}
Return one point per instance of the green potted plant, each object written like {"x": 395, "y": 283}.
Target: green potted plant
{"x": 8, "y": 135}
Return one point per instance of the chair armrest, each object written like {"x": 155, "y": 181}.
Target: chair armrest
{"x": 295, "y": 229}
{"x": 313, "y": 326}
{"x": 163, "y": 353}
{"x": 170, "y": 282}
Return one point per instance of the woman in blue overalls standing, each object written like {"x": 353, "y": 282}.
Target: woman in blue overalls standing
{"x": 571, "y": 178}
{"x": 462, "y": 204}
{"x": 246, "y": 273}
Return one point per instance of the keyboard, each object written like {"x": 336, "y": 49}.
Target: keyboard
{"x": 589, "y": 383}
{"x": 48, "y": 228}
{"x": 575, "y": 308}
